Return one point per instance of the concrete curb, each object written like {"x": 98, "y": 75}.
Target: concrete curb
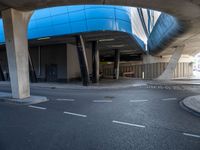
{"x": 80, "y": 87}
{"x": 91, "y": 87}
{"x": 167, "y": 86}
{"x": 6, "y": 97}
{"x": 192, "y": 104}
{"x": 172, "y": 86}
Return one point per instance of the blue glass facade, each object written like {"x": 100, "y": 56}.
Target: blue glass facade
{"x": 65, "y": 20}
{"x": 165, "y": 29}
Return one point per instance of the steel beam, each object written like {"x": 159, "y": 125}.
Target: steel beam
{"x": 95, "y": 62}
{"x": 116, "y": 64}
{"x": 82, "y": 60}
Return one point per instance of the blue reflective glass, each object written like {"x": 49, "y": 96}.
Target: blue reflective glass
{"x": 79, "y": 26}
{"x": 101, "y": 24}
{"x": 94, "y": 13}
{"x": 77, "y": 16}
{"x": 65, "y": 20}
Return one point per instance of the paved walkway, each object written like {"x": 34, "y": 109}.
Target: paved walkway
{"x": 104, "y": 84}
{"x": 113, "y": 84}
{"x": 178, "y": 82}
{"x": 7, "y": 97}
{"x": 192, "y": 103}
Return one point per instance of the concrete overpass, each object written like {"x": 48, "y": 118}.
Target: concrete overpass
{"x": 189, "y": 20}
{"x": 16, "y": 15}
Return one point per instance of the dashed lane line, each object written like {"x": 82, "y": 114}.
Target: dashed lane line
{"x": 137, "y": 101}
{"x": 63, "y": 99}
{"x": 37, "y": 107}
{"x": 75, "y": 114}
{"x": 169, "y": 99}
{"x": 191, "y": 135}
{"x": 102, "y": 101}
{"x": 128, "y": 124}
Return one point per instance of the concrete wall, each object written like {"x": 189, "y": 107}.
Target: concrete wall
{"x": 63, "y": 55}
{"x": 73, "y": 68}
{"x": 156, "y": 59}
{"x": 51, "y": 54}
{"x": 149, "y": 71}
{"x": 89, "y": 56}
{"x": 152, "y": 67}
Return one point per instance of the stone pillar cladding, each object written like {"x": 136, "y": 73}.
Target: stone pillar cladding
{"x": 15, "y": 27}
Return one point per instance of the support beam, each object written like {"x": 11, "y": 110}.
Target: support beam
{"x": 116, "y": 65}
{"x": 82, "y": 60}
{"x": 168, "y": 73}
{"x": 15, "y": 27}
{"x": 39, "y": 61}
{"x": 33, "y": 75}
{"x": 95, "y": 62}
{"x": 2, "y": 78}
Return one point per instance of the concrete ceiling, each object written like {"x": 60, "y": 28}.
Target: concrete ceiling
{"x": 122, "y": 40}
{"x": 186, "y": 11}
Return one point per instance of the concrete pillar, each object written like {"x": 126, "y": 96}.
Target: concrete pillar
{"x": 82, "y": 60}
{"x": 168, "y": 72}
{"x": 116, "y": 65}
{"x": 15, "y": 27}
{"x": 95, "y": 62}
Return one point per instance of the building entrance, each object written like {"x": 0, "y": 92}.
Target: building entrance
{"x": 51, "y": 72}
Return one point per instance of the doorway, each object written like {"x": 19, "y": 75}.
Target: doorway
{"x": 51, "y": 72}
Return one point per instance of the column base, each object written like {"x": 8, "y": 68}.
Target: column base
{"x": 7, "y": 97}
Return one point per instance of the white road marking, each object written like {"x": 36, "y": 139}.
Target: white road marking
{"x": 191, "y": 135}
{"x": 169, "y": 99}
{"x": 102, "y": 101}
{"x": 129, "y": 124}
{"x": 136, "y": 101}
{"x": 37, "y": 107}
{"x": 74, "y": 114}
{"x": 63, "y": 99}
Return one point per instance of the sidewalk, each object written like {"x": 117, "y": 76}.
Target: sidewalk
{"x": 192, "y": 103}
{"x": 104, "y": 84}
{"x": 178, "y": 82}
{"x": 183, "y": 84}
{"x": 192, "y": 85}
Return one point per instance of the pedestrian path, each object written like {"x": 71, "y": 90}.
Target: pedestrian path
{"x": 192, "y": 103}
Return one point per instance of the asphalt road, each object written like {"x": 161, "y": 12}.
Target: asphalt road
{"x": 126, "y": 119}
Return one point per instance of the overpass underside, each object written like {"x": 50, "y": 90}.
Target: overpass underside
{"x": 58, "y": 62}
{"x": 16, "y": 16}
